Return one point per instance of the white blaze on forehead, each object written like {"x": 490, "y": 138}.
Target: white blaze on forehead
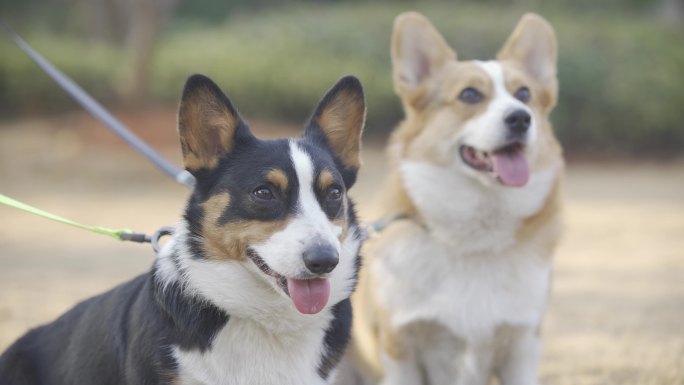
{"x": 488, "y": 131}
{"x": 495, "y": 72}
{"x": 501, "y": 98}
{"x": 304, "y": 169}
{"x": 501, "y": 95}
{"x": 309, "y": 206}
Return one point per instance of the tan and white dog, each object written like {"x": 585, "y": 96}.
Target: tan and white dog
{"x": 455, "y": 287}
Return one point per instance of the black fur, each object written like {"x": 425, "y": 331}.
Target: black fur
{"x": 126, "y": 335}
{"x": 120, "y": 337}
{"x": 336, "y": 337}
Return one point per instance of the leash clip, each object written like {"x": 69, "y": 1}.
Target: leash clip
{"x": 369, "y": 231}
{"x": 373, "y": 229}
{"x": 162, "y": 232}
{"x": 130, "y": 236}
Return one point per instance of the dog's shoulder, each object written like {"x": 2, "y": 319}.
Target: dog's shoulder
{"x": 93, "y": 331}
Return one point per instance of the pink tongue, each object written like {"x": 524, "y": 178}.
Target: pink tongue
{"x": 309, "y": 295}
{"x": 511, "y": 167}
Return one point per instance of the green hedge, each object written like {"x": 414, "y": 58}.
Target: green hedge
{"x": 621, "y": 75}
{"x": 25, "y": 89}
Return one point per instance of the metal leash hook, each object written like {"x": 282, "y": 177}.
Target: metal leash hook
{"x": 127, "y": 235}
{"x": 162, "y": 232}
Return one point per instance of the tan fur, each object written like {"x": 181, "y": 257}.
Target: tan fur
{"x": 389, "y": 339}
{"x": 325, "y": 179}
{"x": 519, "y": 50}
{"x": 343, "y": 221}
{"x": 544, "y": 227}
{"x": 368, "y": 320}
{"x": 278, "y": 178}
{"x": 229, "y": 241}
{"x": 342, "y": 120}
{"x": 206, "y": 127}
{"x": 439, "y": 54}
{"x": 394, "y": 200}
{"x": 371, "y": 328}
{"x": 433, "y": 120}
{"x": 426, "y": 142}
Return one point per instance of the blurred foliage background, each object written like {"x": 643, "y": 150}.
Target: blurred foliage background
{"x": 621, "y": 63}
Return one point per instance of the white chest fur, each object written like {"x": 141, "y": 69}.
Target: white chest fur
{"x": 467, "y": 215}
{"x": 266, "y": 341}
{"x": 471, "y": 295}
{"x": 467, "y": 271}
{"x": 244, "y": 352}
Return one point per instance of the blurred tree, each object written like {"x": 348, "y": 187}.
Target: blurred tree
{"x": 105, "y": 20}
{"x": 672, "y": 11}
{"x": 620, "y": 65}
{"x": 146, "y": 19}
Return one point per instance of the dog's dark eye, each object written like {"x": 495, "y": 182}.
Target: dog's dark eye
{"x": 334, "y": 194}
{"x": 470, "y": 96}
{"x": 263, "y": 193}
{"x": 523, "y": 94}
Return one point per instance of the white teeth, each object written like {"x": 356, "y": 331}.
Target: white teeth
{"x": 481, "y": 156}
{"x": 477, "y": 159}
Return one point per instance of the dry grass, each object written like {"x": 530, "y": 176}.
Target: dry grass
{"x": 617, "y": 313}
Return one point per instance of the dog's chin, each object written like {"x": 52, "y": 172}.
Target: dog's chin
{"x": 309, "y": 294}
{"x": 507, "y": 164}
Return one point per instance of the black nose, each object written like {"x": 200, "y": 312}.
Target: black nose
{"x": 518, "y": 121}
{"x": 320, "y": 259}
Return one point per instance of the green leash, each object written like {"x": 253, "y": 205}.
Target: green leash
{"x": 4, "y": 199}
{"x": 122, "y": 235}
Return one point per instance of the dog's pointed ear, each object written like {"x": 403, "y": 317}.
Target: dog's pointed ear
{"x": 207, "y": 124}
{"x": 338, "y": 121}
{"x": 533, "y": 45}
{"x": 418, "y": 51}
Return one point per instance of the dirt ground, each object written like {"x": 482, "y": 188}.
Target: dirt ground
{"x": 617, "y": 311}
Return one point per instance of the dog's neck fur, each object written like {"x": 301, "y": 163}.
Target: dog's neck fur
{"x": 480, "y": 218}
{"x": 193, "y": 321}
{"x": 239, "y": 331}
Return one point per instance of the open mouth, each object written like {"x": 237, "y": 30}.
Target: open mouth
{"x": 308, "y": 295}
{"x": 263, "y": 266}
{"x": 508, "y": 163}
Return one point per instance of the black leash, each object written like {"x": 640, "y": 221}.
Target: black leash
{"x": 99, "y": 112}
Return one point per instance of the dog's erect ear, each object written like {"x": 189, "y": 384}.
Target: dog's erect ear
{"x": 339, "y": 119}
{"x": 533, "y": 45}
{"x": 418, "y": 51}
{"x": 207, "y": 124}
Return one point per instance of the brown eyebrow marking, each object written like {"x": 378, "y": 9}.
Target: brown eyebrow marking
{"x": 325, "y": 179}
{"x": 278, "y": 178}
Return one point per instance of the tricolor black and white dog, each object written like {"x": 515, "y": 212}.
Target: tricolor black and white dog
{"x": 254, "y": 286}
